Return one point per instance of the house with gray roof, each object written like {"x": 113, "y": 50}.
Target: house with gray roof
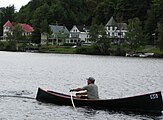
{"x": 58, "y": 36}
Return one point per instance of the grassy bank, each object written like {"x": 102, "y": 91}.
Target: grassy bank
{"x": 91, "y": 50}
{"x": 57, "y": 49}
{"x": 68, "y": 49}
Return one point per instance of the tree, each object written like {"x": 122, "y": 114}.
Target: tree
{"x": 160, "y": 36}
{"x": 17, "y": 32}
{"x": 135, "y": 37}
{"x": 36, "y": 36}
{"x": 131, "y": 9}
{"x": 44, "y": 26}
{"x": 154, "y": 16}
{"x": 6, "y": 13}
{"x": 104, "y": 11}
{"x": 40, "y": 18}
{"x": 1, "y": 22}
{"x": 99, "y": 37}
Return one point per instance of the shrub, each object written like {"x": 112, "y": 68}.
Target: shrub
{"x": 87, "y": 50}
{"x": 11, "y": 46}
{"x": 2, "y": 46}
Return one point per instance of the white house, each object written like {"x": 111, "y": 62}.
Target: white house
{"x": 79, "y": 34}
{"x": 115, "y": 30}
{"x": 26, "y": 29}
{"x": 7, "y": 29}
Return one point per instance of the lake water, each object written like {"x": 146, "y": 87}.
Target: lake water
{"x": 22, "y": 73}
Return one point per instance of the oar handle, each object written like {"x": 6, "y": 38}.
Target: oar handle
{"x": 72, "y": 101}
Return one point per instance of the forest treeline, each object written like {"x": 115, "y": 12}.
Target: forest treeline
{"x": 41, "y": 13}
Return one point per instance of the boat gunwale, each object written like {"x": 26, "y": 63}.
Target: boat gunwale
{"x": 76, "y": 98}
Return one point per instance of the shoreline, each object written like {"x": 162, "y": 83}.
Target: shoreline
{"x": 155, "y": 55}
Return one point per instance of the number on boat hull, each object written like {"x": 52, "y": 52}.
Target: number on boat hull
{"x": 153, "y": 96}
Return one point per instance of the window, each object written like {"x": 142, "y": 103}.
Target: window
{"x": 119, "y": 33}
{"x": 50, "y": 40}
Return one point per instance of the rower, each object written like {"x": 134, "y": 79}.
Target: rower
{"x": 91, "y": 90}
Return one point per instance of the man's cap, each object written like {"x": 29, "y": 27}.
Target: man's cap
{"x": 91, "y": 79}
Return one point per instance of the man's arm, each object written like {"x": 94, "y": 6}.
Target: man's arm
{"x": 82, "y": 93}
{"x": 77, "y": 89}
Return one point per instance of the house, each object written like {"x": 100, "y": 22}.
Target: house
{"x": 58, "y": 36}
{"x": 115, "y": 31}
{"x": 79, "y": 34}
{"x": 27, "y": 29}
{"x": 7, "y": 29}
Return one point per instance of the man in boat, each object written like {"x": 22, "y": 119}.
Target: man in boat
{"x": 91, "y": 90}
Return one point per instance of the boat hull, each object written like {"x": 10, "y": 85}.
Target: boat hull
{"x": 149, "y": 103}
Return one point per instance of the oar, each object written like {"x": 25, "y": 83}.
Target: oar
{"x": 72, "y": 101}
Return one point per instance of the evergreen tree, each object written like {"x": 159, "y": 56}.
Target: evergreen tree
{"x": 154, "y": 16}
{"x": 160, "y": 36}
{"x": 40, "y": 18}
{"x": 104, "y": 11}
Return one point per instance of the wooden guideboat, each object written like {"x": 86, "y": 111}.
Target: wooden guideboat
{"x": 149, "y": 103}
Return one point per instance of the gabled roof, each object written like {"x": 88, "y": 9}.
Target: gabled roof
{"x": 75, "y": 29}
{"x": 82, "y": 28}
{"x": 8, "y": 24}
{"x": 122, "y": 26}
{"x": 58, "y": 29}
{"x": 79, "y": 29}
{"x": 26, "y": 28}
{"x": 111, "y": 22}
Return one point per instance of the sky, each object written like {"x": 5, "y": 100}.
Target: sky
{"x": 17, "y": 3}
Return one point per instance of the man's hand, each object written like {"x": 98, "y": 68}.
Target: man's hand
{"x": 71, "y": 90}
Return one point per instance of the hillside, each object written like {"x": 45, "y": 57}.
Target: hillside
{"x": 41, "y": 13}
{"x": 71, "y": 12}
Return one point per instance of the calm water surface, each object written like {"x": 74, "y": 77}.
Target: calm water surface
{"x": 22, "y": 73}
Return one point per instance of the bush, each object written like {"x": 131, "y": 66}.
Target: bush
{"x": 68, "y": 44}
{"x": 2, "y": 46}
{"x": 11, "y": 46}
{"x": 87, "y": 50}
{"x": 8, "y": 45}
{"x": 117, "y": 52}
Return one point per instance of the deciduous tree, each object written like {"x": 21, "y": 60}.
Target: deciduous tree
{"x": 99, "y": 37}
{"x": 135, "y": 37}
